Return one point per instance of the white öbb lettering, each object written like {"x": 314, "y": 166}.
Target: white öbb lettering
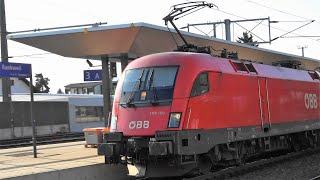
{"x": 139, "y": 125}
{"x": 311, "y": 101}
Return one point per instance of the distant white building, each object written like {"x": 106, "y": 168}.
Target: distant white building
{"x": 84, "y": 88}
{"x": 18, "y": 85}
{"x": 88, "y": 87}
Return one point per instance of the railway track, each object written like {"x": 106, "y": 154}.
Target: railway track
{"x": 315, "y": 178}
{"x": 47, "y": 139}
{"x": 253, "y": 166}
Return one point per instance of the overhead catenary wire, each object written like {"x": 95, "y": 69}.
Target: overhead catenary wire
{"x": 267, "y": 25}
{"x": 293, "y": 30}
{"x": 202, "y": 31}
{"x": 29, "y": 55}
{"x": 280, "y": 11}
{"x": 20, "y": 48}
{"x": 294, "y": 21}
{"x": 299, "y": 37}
{"x": 230, "y": 13}
{"x": 61, "y": 27}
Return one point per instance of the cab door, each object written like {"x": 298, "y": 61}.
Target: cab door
{"x": 199, "y": 105}
{"x": 264, "y": 104}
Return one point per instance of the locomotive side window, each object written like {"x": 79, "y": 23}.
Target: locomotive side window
{"x": 201, "y": 85}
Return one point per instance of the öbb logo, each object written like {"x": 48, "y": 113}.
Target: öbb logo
{"x": 311, "y": 101}
{"x": 139, "y": 125}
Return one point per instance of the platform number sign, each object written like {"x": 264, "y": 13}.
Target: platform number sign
{"x": 92, "y": 75}
{"x": 311, "y": 101}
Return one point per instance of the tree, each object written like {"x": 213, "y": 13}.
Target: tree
{"x": 247, "y": 39}
{"x": 42, "y": 83}
{"x": 59, "y": 91}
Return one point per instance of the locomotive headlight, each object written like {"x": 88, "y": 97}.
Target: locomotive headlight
{"x": 114, "y": 120}
{"x": 174, "y": 120}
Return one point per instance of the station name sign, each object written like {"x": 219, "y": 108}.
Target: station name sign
{"x": 15, "y": 70}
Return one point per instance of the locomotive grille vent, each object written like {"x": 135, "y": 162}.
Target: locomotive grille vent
{"x": 113, "y": 136}
{"x": 163, "y": 135}
{"x": 243, "y": 67}
{"x": 314, "y": 75}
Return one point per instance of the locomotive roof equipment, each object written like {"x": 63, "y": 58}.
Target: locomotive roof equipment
{"x": 184, "y": 9}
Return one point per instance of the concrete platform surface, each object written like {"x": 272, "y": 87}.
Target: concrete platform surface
{"x": 18, "y": 162}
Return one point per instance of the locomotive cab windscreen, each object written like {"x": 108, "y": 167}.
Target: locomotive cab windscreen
{"x": 148, "y": 86}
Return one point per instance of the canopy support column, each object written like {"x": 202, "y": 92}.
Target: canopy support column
{"x": 106, "y": 90}
{"x": 124, "y": 61}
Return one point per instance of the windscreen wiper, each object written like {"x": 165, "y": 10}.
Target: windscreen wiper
{"x": 154, "y": 91}
{"x": 136, "y": 87}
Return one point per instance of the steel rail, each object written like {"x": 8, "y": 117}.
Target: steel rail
{"x": 314, "y": 178}
{"x": 250, "y": 167}
{"x": 48, "y": 139}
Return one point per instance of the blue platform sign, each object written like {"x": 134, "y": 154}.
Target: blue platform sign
{"x": 92, "y": 75}
{"x": 15, "y": 70}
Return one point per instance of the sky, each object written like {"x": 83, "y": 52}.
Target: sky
{"x": 33, "y": 14}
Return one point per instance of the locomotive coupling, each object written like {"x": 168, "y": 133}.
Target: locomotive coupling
{"x": 112, "y": 144}
{"x": 110, "y": 149}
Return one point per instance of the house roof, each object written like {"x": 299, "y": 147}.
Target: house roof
{"x": 26, "y": 81}
{"x": 81, "y": 85}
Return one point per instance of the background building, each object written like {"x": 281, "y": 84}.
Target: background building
{"x": 53, "y": 114}
{"x": 17, "y": 85}
{"x": 84, "y": 88}
{"x": 88, "y": 87}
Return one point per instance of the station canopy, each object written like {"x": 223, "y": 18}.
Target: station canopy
{"x": 139, "y": 39}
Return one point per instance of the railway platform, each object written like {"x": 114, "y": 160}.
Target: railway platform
{"x": 58, "y": 161}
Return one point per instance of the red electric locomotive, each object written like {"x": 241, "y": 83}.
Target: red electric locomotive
{"x": 181, "y": 113}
